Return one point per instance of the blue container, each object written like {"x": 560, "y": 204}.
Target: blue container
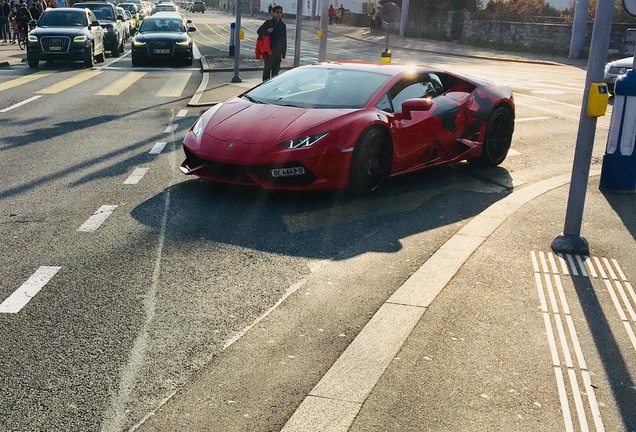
{"x": 618, "y": 173}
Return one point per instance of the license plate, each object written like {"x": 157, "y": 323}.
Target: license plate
{"x": 162, "y": 51}
{"x": 288, "y": 172}
{"x": 55, "y": 48}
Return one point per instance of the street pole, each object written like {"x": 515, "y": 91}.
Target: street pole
{"x": 571, "y": 240}
{"x": 324, "y": 24}
{"x": 237, "y": 51}
{"x": 299, "y": 23}
{"x": 404, "y": 17}
{"x": 579, "y": 28}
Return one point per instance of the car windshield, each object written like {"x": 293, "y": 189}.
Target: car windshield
{"x": 58, "y": 18}
{"x": 161, "y": 25}
{"x": 313, "y": 87}
{"x": 101, "y": 13}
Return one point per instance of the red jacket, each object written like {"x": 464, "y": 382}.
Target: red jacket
{"x": 263, "y": 48}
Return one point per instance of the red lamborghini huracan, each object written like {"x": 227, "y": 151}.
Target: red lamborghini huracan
{"x": 350, "y": 125}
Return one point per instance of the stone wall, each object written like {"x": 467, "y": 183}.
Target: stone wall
{"x": 460, "y": 25}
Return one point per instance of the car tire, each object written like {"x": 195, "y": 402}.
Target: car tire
{"x": 497, "y": 140}
{"x": 33, "y": 62}
{"x": 135, "y": 61}
{"x": 370, "y": 163}
{"x": 89, "y": 61}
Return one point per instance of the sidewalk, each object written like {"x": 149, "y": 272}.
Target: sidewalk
{"x": 11, "y": 54}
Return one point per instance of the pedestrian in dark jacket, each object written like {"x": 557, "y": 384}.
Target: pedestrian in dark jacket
{"x": 5, "y": 11}
{"x": 276, "y": 29}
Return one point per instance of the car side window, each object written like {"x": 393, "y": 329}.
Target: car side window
{"x": 384, "y": 104}
{"x": 420, "y": 86}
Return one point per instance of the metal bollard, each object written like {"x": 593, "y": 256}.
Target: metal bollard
{"x": 618, "y": 173}
{"x": 232, "y": 46}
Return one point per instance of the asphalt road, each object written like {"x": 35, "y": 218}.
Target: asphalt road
{"x": 138, "y": 304}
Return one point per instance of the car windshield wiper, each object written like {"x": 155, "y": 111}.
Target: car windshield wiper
{"x": 251, "y": 99}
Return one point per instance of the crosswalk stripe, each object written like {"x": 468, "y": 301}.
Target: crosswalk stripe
{"x": 175, "y": 85}
{"x": 23, "y": 80}
{"x": 121, "y": 84}
{"x": 70, "y": 82}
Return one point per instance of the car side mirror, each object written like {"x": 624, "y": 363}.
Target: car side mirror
{"x": 189, "y": 21}
{"x": 95, "y": 23}
{"x": 120, "y": 17}
{"x": 415, "y": 104}
{"x": 191, "y": 29}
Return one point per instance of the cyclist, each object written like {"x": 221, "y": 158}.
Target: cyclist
{"x": 23, "y": 17}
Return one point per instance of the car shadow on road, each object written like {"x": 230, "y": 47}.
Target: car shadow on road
{"x": 323, "y": 225}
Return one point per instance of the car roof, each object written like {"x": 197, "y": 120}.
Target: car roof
{"x": 383, "y": 68}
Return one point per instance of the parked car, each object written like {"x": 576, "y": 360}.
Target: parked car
{"x": 615, "y": 69}
{"x": 66, "y": 34}
{"x": 111, "y": 22}
{"x": 198, "y": 6}
{"x": 163, "y": 36}
{"x": 350, "y": 125}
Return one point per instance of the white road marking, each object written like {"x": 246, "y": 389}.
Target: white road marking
{"x": 175, "y": 85}
{"x": 171, "y": 128}
{"x": 182, "y": 113}
{"x": 70, "y": 82}
{"x": 157, "y": 148}
{"x": 98, "y": 218}
{"x": 590, "y": 266}
{"x": 617, "y": 304}
{"x": 578, "y": 401}
{"x": 23, "y": 80}
{"x": 580, "y": 359}
{"x": 609, "y": 268}
{"x": 136, "y": 176}
{"x": 564, "y": 265}
{"x": 19, "y": 104}
{"x": 116, "y": 88}
{"x": 596, "y": 413}
{"x": 600, "y": 268}
{"x": 23, "y": 295}
{"x": 563, "y": 397}
{"x": 581, "y": 265}
{"x": 619, "y": 270}
{"x": 628, "y": 305}
{"x": 564, "y": 340}
{"x": 552, "y": 92}
{"x": 542, "y": 300}
{"x": 521, "y": 120}
{"x": 564, "y": 301}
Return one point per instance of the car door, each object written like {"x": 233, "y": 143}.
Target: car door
{"x": 97, "y": 33}
{"x": 425, "y": 134}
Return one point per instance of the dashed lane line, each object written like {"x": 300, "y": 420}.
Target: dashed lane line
{"x": 23, "y": 295}
{"x": 98, "y": 218}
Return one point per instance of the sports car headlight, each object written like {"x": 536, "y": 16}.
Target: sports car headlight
{"x": 138, "y": 42}
{"x": 197, "y": 128}
{"x": 79, "y": 39}
{"x": 33, "y": 38}
{"x": 304, "y": 142}
{"x": 183, "y": 43}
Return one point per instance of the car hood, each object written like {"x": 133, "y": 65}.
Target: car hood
{"x": 58, "y": 31}
{"x": 623, "y": 63}
{"x": 162, "y": 36}
{"x": 261, "y": 124}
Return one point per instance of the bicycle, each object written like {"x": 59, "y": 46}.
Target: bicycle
{"x": 22, "y": 37}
